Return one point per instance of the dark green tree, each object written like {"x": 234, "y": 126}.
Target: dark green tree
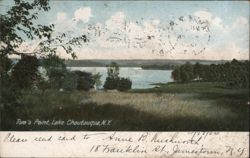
{"x": 85, "y": 80}
{"x": 56, "y": 70}
{"x": 113, "y": 76}
{"x": 25, "y": 72}
{"x": 176, "y": 76}
{"x": 198, "y": 71}
{"x": 124, "y": 84}
{"x": 19, "y": 24}
{"x": 111, "y": 83}
{"x": 113, "y": 70}
{"x": 186, "y": 72}
{"x": 19, "y": 20}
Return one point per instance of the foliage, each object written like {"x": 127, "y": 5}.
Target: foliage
{"x": 9, "y": 95}
{"x": 186, "y": 72}
{"x": 176, "y": 74}
{"x": 234, "y": 73}
{"x": 85, "y": 80}
{"x": 69, "y": 82}
{"x": 20, "y": 20}
{"x": 5, "y": 65}
{"x": 215, "y": 108}
{"x": 97, "y": 79}
{"x": 158, "y": 67}
{"x": 61, "y": 78}
{"x": 124, "y": 84}
{"x": 113, "y": 76}
{"x": 113, "y": 70}
{"x": 52, "y": 61}
{"x": 18, "y": 24}
{"x": 56, "y": 70}
{"x": 25, "y": 72}
{"x": 111, "y": 83}
{"x": 198, "y": 72}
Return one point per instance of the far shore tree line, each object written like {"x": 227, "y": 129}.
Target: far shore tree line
{"x": 234, "y": 73}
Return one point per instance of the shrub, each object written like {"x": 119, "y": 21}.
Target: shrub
{"x": 70, "y": 81}
{"x": 56, "y": 78}
{"x": 25, "y": 72}
{"x": 176, "y": 74}
{"x": 111, "y": 83}
{"x": 124, "y": 84}
{"x": 85, "y": 80}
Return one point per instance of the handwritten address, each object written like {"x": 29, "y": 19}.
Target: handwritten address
{"x": 126, "y": 144}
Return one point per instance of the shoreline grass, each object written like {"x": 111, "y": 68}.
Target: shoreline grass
{"x": 172, "y": 107}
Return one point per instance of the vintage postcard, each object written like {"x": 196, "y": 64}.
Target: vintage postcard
{"x": 124, "y": 78}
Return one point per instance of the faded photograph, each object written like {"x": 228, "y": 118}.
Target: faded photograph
{"x": 124, "y": 65}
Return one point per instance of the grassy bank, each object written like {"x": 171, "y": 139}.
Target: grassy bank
{"x": 190, "y": 106}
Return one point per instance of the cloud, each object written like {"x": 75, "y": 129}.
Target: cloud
{"x": 241, "y": 22}
{"x": 204, "y": 15}
{"x": 116, "y": 21}
{"x": 151, "y": 25}
{"x": 61, "y": 16}
{"x": 121, "y": 38}
{"x": 226, "y": 51}
{"x": 83, "y": 14}
{"x": 118, "y": 16}
{"x": 63, "y": 23}
{"x": 218, "y": 23}
{"x": 215, "y": 21}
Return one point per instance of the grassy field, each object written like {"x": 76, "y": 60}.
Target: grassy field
{"x": 171, "y": 107}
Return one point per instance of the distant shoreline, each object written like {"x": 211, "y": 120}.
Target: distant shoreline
{"x": 146, "y": 64}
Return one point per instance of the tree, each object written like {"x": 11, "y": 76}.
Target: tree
{"x": 233, "y": 74}
{"x": 97, "y": 79}
{"x": 113, "y": 76}
{"x": 5, "y": 65}
{"x": 25, "y": 72}
{"x": 176, "y": 74}
{"x": 113, "y": 70}
{"x": 8, "y": 94}
{"x": 198, "y": 70}
{"x": 85, "y": 80}
{"x": 56, "y": 70}
{"x": 124, "y": 84}
{"x": 111, "y": 83}
{"x": 20, "y": 20}
{"x": 69, "y": 81}
{"x": 186, "y": 72}
{"x": 19, "y": 25}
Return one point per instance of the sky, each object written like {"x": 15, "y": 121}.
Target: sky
{"x": 208, "y": 30}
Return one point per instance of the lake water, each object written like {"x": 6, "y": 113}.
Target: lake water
{"x": 140, "y": 78}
